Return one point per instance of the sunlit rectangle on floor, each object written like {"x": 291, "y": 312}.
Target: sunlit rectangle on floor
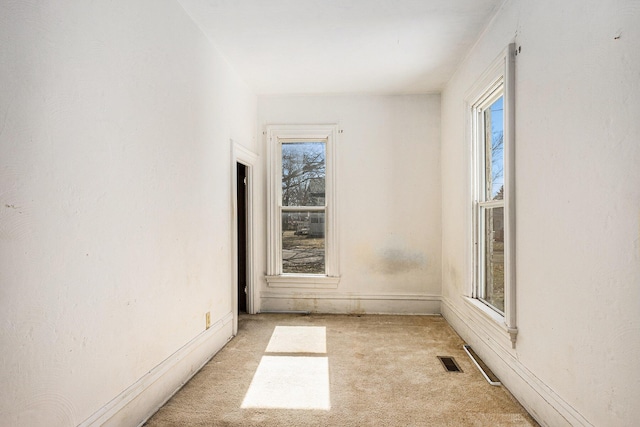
{"x": 298, "y": 339}
{"x": 288, "y": 382}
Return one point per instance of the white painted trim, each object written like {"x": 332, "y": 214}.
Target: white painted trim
{"x": 501, "y": 73}
{"x": 319, "y": 301}
{"x": 467, "y": 350}
{"x": 351, "y": 296}
{"x": 274, "y": 133}
{"x": 544, "y": 404}
{"x": 488, "y": 79}
{"x": 488, "y": 320}
{"x": 138, "y": 402}
{"x": 240, "y": 154}
{"x": 301, "y": 281}
{"x": 510, "y": 192}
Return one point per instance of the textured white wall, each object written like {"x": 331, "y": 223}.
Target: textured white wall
{"x": 388, "y": 183}
{"x": 578, "y": 198}
{"x": 115, "y": 121}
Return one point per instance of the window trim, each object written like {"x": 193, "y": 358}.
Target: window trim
{"x": 275, "y": 277}
{"x": 480, "y": 203}
{"x": 501, "y": 73}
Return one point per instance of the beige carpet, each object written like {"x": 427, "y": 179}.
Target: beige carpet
{"x": 340, "y": 370}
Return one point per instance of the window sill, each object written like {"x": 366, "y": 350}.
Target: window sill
{"x": 302, "y": 281}
{"x": 492, "y": 319}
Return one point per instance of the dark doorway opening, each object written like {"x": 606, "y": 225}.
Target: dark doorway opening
{"x": 241, "y": 196}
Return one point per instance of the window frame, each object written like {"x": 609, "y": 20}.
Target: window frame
{"x": 481, "y": 204}
{"x": 498, "y": 80}
{"x": 275, "y": 135}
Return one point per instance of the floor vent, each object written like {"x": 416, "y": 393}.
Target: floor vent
{"x": 449, "y": 363}
{"x": 484, "y": 369}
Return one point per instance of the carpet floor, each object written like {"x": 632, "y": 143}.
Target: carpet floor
{"x": 340, "y": 370}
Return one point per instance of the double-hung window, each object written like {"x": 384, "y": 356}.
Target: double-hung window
{"x": 493, "y": 192}
{"x": 302, "y": 229}
{"x": 489, "y": 204}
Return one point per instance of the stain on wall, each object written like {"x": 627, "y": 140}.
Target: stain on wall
{"x": 393, "y": 261}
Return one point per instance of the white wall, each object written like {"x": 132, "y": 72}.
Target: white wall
{"x": 578, "y": 208}
{"x": 115, "y": 128}
{"x": 388, "y": 196}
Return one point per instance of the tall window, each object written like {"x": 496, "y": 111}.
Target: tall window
{"x": 490, "y": 199}
{"x": 302, "y": 225}
{"x": 491, "y": 107}
{"x": 302, "y": 210}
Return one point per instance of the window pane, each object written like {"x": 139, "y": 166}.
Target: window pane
{"x": 303, "y": 173}
{"x": 494, "y": 257}
{"x": 494, "y": 150}
{"x": 303, "y": 242}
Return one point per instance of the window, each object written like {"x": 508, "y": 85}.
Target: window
{"x": 489, "y": 204}
{"x": 491, "y": 107}
{"x": 302, "y": 229}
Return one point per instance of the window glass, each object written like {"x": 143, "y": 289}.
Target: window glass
{"x": 494, "y": 150}
{"x": 303, "y": 244}
{"x": 303, "y": 173}
{"x": 493, "y": 292}
{"x": 490, "y": 256}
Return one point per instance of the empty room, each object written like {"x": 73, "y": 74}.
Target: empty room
{"x": 298, "y": 212}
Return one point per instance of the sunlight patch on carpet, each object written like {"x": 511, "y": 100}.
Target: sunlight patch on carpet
{"x": 298, "y": 339}
{"x": 290, "y": 382}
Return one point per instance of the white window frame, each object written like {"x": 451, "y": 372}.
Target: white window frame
{"x": 275, "y": 134}
{"x": 499, "y": 79}
{"x": 481, "y": 205}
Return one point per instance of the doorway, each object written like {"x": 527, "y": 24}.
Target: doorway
{"x": 242, "y": 171}
{"x": 241, "y": 220}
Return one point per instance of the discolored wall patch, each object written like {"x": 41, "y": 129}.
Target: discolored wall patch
{"x": 397, "y": 261}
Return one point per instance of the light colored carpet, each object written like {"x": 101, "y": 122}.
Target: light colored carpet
{"x": 340, "y": 370}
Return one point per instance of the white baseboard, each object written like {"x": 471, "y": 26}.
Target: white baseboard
{"x": 545, "y": 405}
{"x": 346, "y": 302}
{"x": 137, "y": 403}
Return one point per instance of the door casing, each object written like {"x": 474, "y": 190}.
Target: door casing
{"x": 239, "y": 154}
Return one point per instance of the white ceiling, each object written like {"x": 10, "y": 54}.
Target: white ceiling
{"x": 343, "y": 46}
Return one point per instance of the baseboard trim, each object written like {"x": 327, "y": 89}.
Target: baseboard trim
{"x": 351, "y": 296}
{"x": 348, "y": 302}
{"x": 544, "y": 404}
{"x": 143, "y": 398}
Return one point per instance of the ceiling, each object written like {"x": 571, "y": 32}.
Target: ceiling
{"x": 343, "y": 46}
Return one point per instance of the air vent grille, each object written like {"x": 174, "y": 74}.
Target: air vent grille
{"x": 449, "y": 363}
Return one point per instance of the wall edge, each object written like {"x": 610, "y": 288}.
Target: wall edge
{"x": 143, "y": 398}
{"x": 544, "y": 404}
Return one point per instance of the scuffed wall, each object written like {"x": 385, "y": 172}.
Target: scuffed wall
{"x": 388, "y": 195}
{"x": 577, "y": 209}
{"x": 115, "y": 122}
